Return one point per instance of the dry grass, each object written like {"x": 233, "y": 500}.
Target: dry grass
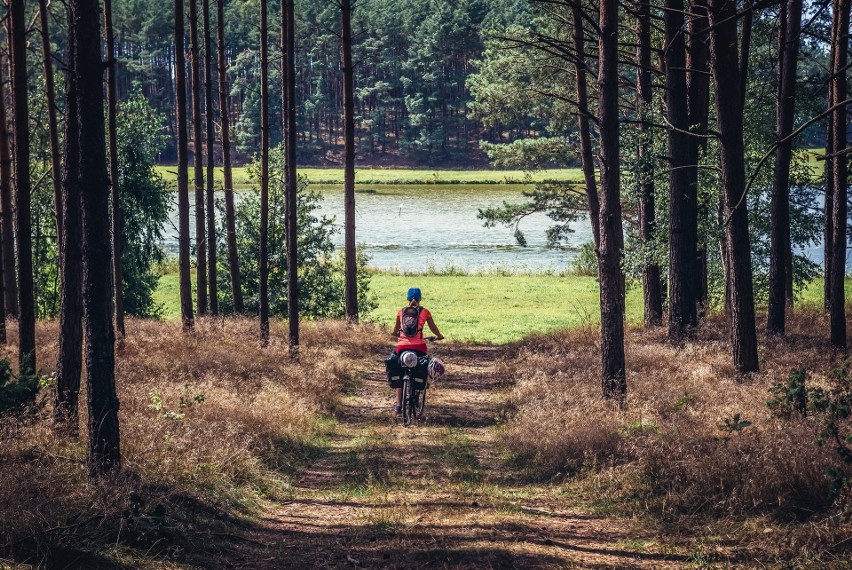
{"x": 250, "y": 417}
{"x": 664, "y": 455}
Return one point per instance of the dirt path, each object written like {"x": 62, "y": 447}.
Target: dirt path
{"x": 436, "y": 494}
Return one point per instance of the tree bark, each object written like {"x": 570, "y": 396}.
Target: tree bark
{"x": 23, "y": 222}
{"x": 840, "y": 170}
{"x": 651, "y": 284}
{"x": 351, "y": 278}
{"x": 780, "y": 205}
{"x": 198, "y": 161}
{"x": 104, "y": 449}
{"x": 230, "y": 216}
{"x": 50, "y": 94}
{"x": 263, "y": 269}
{"x": 212, "y": 268}
{"x": 614, "y": 379}
{"x": 69, "y": 364}
{"x": 7, "y": 221}
{"x": 729, "y": 122}
{"x": 290, "y": 179}
{"x": 183, "y": 182}
{"x": 583, "y": 126}
{"x": 683, "y": 197}
{"x": 112, "y": 106}
{"x": 698, "y": 103}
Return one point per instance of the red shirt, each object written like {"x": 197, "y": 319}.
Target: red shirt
{"x": 416, "y": 342}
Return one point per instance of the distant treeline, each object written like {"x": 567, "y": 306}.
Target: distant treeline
{"x": 412, "y": 60}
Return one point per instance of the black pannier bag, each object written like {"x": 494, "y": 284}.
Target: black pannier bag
{"x": 421, "y": 373}
{"x": 394, "y": 370}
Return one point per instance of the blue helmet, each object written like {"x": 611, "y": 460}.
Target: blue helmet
{"x": 414, "y": 294}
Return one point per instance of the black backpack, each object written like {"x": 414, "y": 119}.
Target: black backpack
{"x": 410, "y": 321}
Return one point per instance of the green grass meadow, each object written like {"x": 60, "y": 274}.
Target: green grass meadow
{"x": 491, "y": 308}
{"x": 334, "y": 176}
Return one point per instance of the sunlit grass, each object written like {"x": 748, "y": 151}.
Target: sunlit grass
{"x": 334, "y": 176}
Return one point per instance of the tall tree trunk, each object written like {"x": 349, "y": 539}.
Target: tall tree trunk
{"x": 213, "y": 279}
{"x": 698, "y": 102}
{"x": 183, "y": 182}
{"x": 583, "y": 126}
{"x": 290, "y": 179}
{"x": 69, "y": 364}
{"x": 112, "y": 105}
{"x": 828, "y": 209}
{"x": 263, "y": 270}
{"x": 780, "y": 206}
{"x": 614, "y": 379}
{"x": 198, "y": 161}
{"x": 230, "y": 216}
{"x": 7, "y": 220}
{"x": 104, "y": 450}
{"x": 683, "y": 198}
{"x": 23, "y": 223}
{"x": 841, "y": 180}
{"x": 729, "y": 121}
{"x": 351, "y": 286}
{"x": 50, "y": 93}
{"x": 647, "y": 223}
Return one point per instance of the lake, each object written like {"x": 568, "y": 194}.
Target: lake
{"x": 416, "y": 228}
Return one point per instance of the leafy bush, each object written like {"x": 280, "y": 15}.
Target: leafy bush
{"x": 16, "y": 391}
{"x": 321, "y": 278}
{"x": 144, "y": 202}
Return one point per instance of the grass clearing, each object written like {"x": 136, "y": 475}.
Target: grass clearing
{"x": 497, "y": 308}
{"x": 334, "y": 176}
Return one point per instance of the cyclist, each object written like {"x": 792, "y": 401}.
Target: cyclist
{"x": 411, "y": 337}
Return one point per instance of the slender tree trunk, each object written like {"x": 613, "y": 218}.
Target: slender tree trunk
{"x": 609, "y": 258}
{"x": 263, "y": 270}
{"x": 183, "y": 182}
{"x": 841, "y": 178}
{"x": 112, "y": 106}
{"x": 698, "y": 102}
{"x": 10, "y": 285}
{"x": 23, "y": 223}
{"x": 683, "y": 198}
{"x": 198, "y": 161}
{"x": 583, "y": 126}
{"x": 780, "y": 207}
{"x": 647, "y": 223}
{"x": 828, "y": 209}
{"x": 290, "y": 179}
{"x": 69, "y": 364}
{"x": 50, "y": 93}
{"x": 351, "y": 286}
{"x": 230, "y": 216}
{"x": 729, "y": 121}
{"x": 213, "y": 279}
{"x": 104, "y": 449}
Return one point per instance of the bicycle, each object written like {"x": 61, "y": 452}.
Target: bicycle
{"x": 413, "y": 387}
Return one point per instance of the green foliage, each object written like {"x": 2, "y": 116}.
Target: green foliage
{"x": 684, "y": 401}
{"x": 144, "y": 202}
{"x": 790, "y": 399}
{"x": 734, "y": 425}
{"x": 586, "y": 262}
{"x": 16, "y": 392}
{"x": 321, "y": 279}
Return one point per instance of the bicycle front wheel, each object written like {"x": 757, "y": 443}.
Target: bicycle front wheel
{"x": 407, "y": 408}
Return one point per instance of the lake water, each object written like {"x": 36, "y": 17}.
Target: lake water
{"x": 416, "y": 228}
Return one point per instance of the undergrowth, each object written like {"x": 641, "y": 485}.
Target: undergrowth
{"x": 211, "y": 424}
{"x": 694, "y": 445}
